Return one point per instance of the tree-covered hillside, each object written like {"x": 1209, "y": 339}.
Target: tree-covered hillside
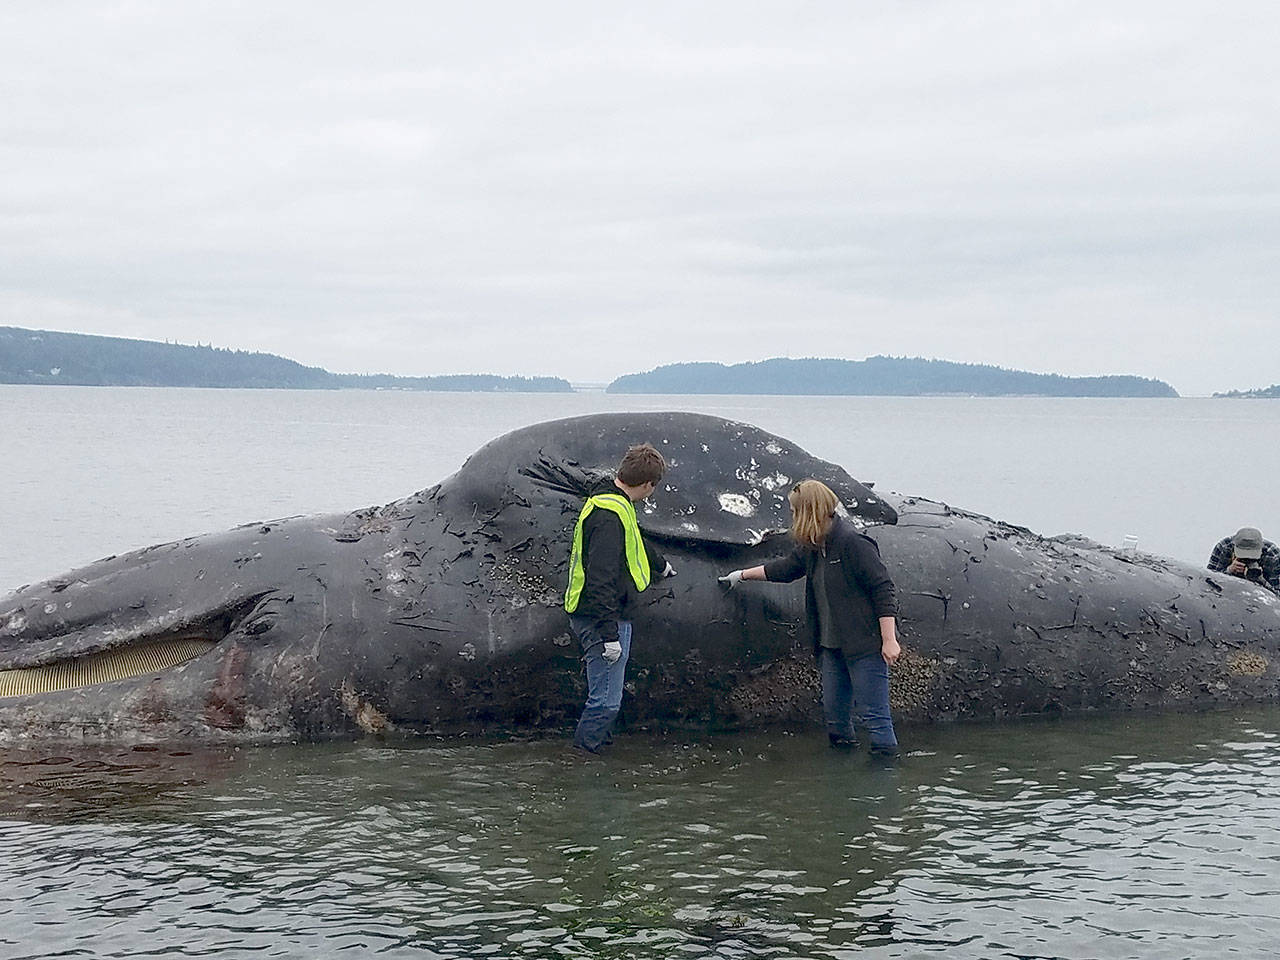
{"x": 47, "y": 357}
{"x": 879, "y": 376}
{"x": 42, "y": 356}
{"x": 1262, "y": 393}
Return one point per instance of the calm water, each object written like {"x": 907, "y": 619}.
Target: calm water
{"x": 1106, "y": 839}
{"x": 1110, "y": 838}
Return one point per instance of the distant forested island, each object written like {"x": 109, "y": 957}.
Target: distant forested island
{"x": 879, "y": 376}
{"x": 47, "y": 357}
{"x": 1262, "y": 393}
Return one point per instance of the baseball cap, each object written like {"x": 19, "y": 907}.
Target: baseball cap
{"x": 1248, "y": 543}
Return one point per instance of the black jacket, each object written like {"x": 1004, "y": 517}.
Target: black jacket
{"x": 608, "y": 592}
{"x": 868, "y": 592}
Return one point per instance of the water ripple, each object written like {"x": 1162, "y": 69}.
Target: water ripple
{"x": 1047, "y": 841}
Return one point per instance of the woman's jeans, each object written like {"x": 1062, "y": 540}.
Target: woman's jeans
{"x": 604, "y": 681}
{"x": 857, "y": 690}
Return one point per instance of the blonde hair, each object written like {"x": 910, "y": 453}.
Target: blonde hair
{"x": 813, "y": 504}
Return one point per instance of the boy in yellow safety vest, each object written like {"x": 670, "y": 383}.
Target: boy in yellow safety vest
{"x": 609, "y": 567}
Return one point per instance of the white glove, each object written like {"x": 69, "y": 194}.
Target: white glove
{"x": 669, "y": 570}
{"x": 731, "y": 580}
{"x": 612, "y": 651}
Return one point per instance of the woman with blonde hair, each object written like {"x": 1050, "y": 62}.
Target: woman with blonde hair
{"x": 851, "y": 606}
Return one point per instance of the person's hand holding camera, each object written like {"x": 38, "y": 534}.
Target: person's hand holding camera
{"x": 1249, "y": 569}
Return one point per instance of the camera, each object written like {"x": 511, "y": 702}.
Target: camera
{"x": 1253, "y": 570}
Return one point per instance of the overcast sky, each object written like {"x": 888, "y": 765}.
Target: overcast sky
{"x": 591, "y": 189}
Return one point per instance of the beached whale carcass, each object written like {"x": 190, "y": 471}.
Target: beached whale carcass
{"x": 441, "y": 612}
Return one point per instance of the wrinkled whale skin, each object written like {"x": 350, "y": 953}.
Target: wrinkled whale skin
{"x": 1002, "y": 623}
{"x": 441, "y": 612}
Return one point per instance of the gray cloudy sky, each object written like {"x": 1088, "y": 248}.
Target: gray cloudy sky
{"x": 589, "y": 189}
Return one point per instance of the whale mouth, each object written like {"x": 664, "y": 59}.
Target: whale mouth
{"x": 149, "y": 648}
{"x": 107, "y": 666}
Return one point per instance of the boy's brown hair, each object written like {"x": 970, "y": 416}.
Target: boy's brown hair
{"x": 640, "y": 465}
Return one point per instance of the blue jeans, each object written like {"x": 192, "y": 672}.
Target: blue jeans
{"x": 857, "y": 690}
{"x": 604, "y": 681}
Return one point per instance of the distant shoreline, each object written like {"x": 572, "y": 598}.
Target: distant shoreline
{"x": 45, "y": 357}
{"x": 51, "y": 358}
{"x": 878, "y": 376}
{"x": 598, "y": 390}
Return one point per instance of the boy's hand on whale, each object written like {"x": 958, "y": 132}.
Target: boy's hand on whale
{"x": 669, "y": 570}
{"x": 731, "y": 579}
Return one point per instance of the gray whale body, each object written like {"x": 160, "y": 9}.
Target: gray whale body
{"x": 440, "y": 613}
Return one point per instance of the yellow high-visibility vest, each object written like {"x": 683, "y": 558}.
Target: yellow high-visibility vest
{"x": 637, "y": 559}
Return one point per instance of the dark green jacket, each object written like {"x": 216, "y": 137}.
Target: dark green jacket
{"x": 858, "y": 599}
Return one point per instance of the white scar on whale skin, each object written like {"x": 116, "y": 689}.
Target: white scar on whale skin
{"x": 736, "y": 504}
{"x": 775, "y": 482}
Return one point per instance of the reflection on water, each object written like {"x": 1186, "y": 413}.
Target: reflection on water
{"x": 70, "y": 783}
{"x": 1099, "y": 839}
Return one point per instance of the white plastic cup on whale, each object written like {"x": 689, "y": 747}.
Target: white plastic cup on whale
{"x": 1130, "y": 545}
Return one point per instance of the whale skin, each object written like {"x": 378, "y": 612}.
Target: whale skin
{"x": 441, "y": 613}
